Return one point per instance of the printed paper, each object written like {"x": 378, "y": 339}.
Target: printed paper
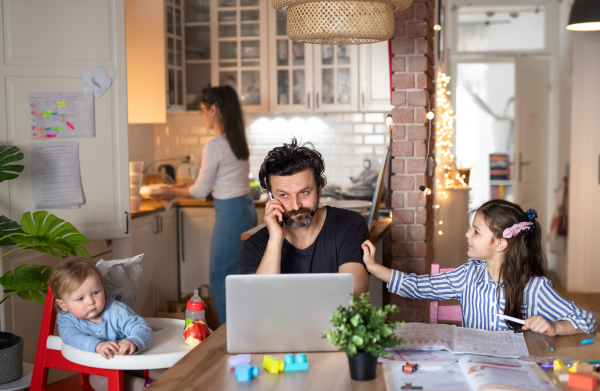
{"x": 61, "y": 115}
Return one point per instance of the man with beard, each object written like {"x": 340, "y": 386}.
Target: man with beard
{"x": 300, "y": 237}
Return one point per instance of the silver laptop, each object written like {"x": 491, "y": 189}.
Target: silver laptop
{"x": 283, "y": 312}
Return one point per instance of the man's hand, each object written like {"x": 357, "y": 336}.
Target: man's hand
{"x": 540, "y": 325}
{"x": 107, "y": 349}
{"x": 126, "y": 347}
{"x": 273, "y": 218}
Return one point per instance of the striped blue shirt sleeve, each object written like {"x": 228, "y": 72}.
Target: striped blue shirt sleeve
{"x": 553, "y": 307}
{"x": 442, "y": 286}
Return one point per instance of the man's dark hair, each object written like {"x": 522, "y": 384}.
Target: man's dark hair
{"x": 291, "y": 159}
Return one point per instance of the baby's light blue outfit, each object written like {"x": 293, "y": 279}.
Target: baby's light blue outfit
{"x": 118, "y": 322}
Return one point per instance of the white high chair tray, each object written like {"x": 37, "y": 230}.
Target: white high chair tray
{"x": 167, "y": 348}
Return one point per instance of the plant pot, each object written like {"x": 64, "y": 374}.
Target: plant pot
{"x": 363, "y": 366}
{"x": 11, "y": 357}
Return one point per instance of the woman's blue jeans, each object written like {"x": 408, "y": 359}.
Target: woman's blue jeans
{"x": 233, "y": 217}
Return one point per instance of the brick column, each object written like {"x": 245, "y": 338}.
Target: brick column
{"x": 413, "y": 72}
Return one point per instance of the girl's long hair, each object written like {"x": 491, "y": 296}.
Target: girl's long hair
{"x": 232, "y": 120}
{"x": 523, "y": 258}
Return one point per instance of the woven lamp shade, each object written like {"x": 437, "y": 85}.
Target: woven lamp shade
{"x": 340, "y": 22}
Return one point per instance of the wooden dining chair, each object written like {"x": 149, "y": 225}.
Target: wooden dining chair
{"x": 438, "y": 312}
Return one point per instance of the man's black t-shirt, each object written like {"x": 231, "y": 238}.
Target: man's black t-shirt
{"x": 339, "y": 242}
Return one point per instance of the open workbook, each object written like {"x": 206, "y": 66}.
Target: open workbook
{"x": 475, "y": 373}
{"x": 461, "y": 340}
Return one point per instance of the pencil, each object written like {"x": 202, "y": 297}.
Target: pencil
{"x": 551, "y": 348}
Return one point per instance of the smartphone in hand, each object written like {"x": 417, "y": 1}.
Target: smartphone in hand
{"x": 276, "y": 217}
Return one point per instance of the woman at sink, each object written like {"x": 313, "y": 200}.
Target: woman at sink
{"x": 224, "y": 172}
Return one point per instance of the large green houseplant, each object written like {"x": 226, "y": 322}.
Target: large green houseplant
{"x": 364, "y": 332}
{"x": 40, "y": 231}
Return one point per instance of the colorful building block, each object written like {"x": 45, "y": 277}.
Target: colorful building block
{"x": 583, "y": 367}
{"x": 562, "y": 375}
{"x": 573, "y": 368}
{"x": 583, "y": 381}
{"x": 410, "y": 368}
{"x": 273, "y": 364}
{"x": 558, "y": 364}
{"x": 245, "y": 372}
{"x": 298, "y": 364}
{"x": 240, "y": 358}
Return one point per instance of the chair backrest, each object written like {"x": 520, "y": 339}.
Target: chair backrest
{"x": 437, "y": 312}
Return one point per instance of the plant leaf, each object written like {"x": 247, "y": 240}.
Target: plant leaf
{"x": 9, "y": 154}
{"x": 46, "y": 233}
{"x": 37, "y": 297}
{"x": 27, "y": 281}
{"x": 7, "y": 227}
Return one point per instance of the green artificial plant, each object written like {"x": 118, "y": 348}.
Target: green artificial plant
{"x": 364, "y": 327}
{"x": 41, "y": 231}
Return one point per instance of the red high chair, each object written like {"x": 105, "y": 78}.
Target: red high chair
{"x": 50, "y": 357}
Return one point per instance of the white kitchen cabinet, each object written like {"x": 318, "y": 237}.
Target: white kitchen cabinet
{"x": 238, "y": 31}
{"x": 175, "y": 55}
{"x": 91, "y": 34}
{"x": 146, "y": 91}
{"x": 305, "y": 78}
{"x": 374, "y": 72}
{"x": 155, "y": 236}
{"x": 195, "y": 227}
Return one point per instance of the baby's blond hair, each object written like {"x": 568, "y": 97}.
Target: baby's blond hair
{"x": 68, "y": 277}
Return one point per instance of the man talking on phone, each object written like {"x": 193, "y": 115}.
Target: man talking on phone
{"x": 300, "y": 237}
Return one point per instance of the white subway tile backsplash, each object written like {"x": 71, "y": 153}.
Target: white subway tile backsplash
{"x": 363, "y": 128}
{"x": 337, "y": 136}
{"x": 352, "y": 140}
{"x": 353, "y": 117}
{"x": 362, "y": 150}
{"x": 374, "y": 139}
{"x": 375, "y": 117}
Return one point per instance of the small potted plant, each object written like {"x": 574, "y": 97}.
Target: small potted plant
{"x": 364, "y": 332}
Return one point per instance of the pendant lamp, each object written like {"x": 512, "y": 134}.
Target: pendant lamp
{"x": 585, "y": 16}
{"x": 340, "y": 22}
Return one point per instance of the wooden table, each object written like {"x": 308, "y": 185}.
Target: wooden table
{"x": 207, "y": 367}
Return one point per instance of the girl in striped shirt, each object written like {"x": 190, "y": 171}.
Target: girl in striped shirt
{"x": 505, "y": 274}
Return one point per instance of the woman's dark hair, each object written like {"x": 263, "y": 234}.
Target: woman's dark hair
{"x": 291, "y": 159}
{"x": 226, "y": 100}
{"x": 523, "y": 257}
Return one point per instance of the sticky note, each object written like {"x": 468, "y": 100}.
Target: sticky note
{"x": 70, "y": 125}
{"x": 38, "y": 114}
{"x": 40, "y": 129}
{"x": 57, "y": 128}
{"x": 50, "y": 135}
{"x": 47, "y": 113}
{"x": 61, "y": 103}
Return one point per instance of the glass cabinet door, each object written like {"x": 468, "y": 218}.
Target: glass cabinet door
{"x": 239, "y": 34}
{"x": 290, "y": 67}
{"x": 197, "y": 50}
{"x": 336, "y": 84}
{"x": 174, "y": 32}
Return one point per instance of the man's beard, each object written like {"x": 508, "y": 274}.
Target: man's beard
{"x": 293, "y": 220}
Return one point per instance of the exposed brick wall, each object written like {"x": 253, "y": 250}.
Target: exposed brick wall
{"x": 413, "y": 72}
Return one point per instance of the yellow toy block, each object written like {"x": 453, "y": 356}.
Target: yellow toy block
{"x": 273, "y": 364}
{"x": 558, "y": 364}
{"x": 573, "y": 369}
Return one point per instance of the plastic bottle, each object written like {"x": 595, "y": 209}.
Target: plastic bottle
{"x": 194, "y": 309}
{"x": 186, "y": 171}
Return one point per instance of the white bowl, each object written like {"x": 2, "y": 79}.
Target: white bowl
{"x": 149, "y": 190}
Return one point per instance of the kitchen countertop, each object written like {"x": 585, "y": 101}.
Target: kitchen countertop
{"x": 148, "y": 207}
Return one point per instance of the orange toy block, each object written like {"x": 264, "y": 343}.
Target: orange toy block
{"x": 583, "y": 381}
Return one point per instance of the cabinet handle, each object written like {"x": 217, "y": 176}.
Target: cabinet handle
{"x": 521, "y": 164}
{"x": 126, "y": 222}
{"x": 363, "y": 100}
{"x": 161, "y": 223}
{"x": 157, "y": 229}
{"x": 308, "y": 100}
{"x": 182, "y": 236}
{"x": 317, "y": 101}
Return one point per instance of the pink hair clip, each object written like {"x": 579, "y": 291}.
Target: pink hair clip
{"x": 515, "y": 229}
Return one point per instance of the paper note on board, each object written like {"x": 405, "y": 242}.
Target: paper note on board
{"x": 61, "y": 115}
{"x": 55, "y": 174}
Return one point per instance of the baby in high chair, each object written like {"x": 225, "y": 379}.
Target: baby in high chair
{"x": 90, "y": 322}
{"x": 504, "y": 275}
